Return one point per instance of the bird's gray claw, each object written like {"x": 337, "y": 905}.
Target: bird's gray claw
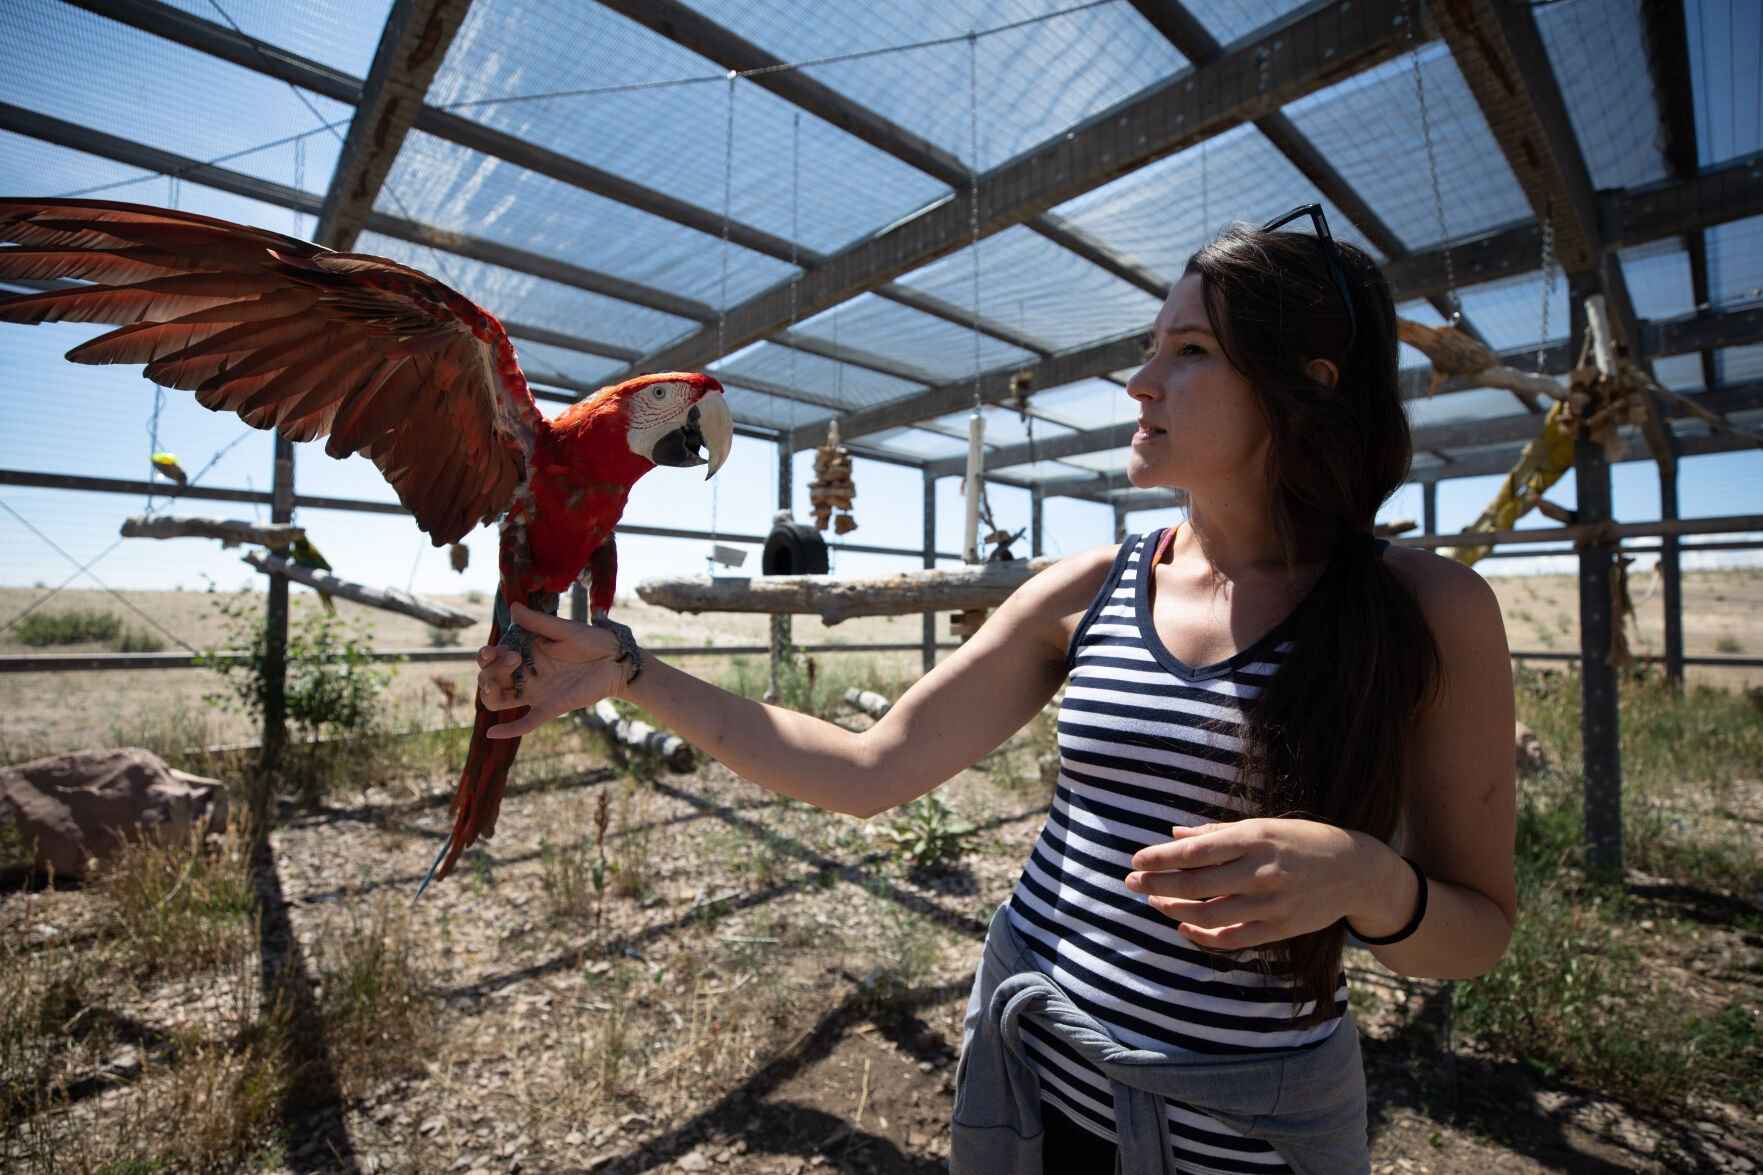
{"x": 516, "y": 638}
{"x": 627, "y": 646}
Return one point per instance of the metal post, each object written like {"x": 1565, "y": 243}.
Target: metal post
{"x": 1037, "y": 508}
{"x": 1429, "y": 508}
{"x": 275, "y": 633}
{"x": 780, "y": 621}
{"x": 578, "y": 603}
{"x": 1599, "y": 723}
{"x": 930, "y": 560}
{"x": 1119, "y": 523}
{"x": 1671, "y": 572}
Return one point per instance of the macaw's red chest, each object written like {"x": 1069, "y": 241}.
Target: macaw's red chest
{"x": 568, "y": 521}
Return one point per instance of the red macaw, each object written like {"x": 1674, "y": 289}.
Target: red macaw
{"x": 391, "y": 364}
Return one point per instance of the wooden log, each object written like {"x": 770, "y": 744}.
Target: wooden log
{"x": 672, "y": 750}
{"x": 952, "y": 589}
{"x": 231, "y": 532}
{"x": 868, "y": 701}
{"x": 391, "y": 599}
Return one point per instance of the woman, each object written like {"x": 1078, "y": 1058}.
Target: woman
{"x": 1260, "y": 700}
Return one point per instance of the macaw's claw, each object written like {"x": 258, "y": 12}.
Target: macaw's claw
{"x": 627, "y": 645}
{"x": 517, "y": 639}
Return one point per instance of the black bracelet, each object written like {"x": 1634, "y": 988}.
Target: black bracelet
{"x": 1413, "y": 920}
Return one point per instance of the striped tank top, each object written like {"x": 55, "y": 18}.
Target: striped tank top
{"x": 1146, "y": 742}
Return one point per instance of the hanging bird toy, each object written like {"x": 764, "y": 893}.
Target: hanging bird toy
{"x": 831, "y": 488}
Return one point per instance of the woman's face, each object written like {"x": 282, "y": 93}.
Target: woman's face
{"x": 1200, "y": 428}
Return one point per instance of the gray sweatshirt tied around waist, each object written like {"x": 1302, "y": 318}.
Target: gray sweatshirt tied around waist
{"x": 1308, "y": 1104}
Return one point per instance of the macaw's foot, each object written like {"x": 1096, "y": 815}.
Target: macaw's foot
{"x": 518, "y": 639}
{"x": 627, "y": 644}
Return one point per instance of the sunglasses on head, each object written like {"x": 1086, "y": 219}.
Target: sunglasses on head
{"x": 1329, "y": 252}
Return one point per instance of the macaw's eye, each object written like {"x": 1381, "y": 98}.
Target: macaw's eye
{"x": 660, "y": 392}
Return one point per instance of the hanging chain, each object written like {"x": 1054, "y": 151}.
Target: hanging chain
{"x": 795, "y": 250}
{"x": 1432, "y": 170}
{"x": 1548, "y": 282}
{"x": 728, "y": 196}
{"x": 973, "y": 195}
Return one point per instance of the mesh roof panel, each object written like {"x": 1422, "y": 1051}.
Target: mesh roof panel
{"x": 533, "y": 300}
{"x": 1233, "y": 20}
{"x": 769, "y": 411}
{"x": 440, "y": 183}
{"x": 1085, "y": 405}
{"x": 1459, "y": 407}
{"x": 1601, "y": 63}
{"x": 1658, "y": 278}
{"x": 343, "y": 34}
{"x": 1679, "y": 373}
{"x": 1028, "y": 283}
{"x": 1509, "y": 313}
{"x": 1735, "y": 261}
{"x": 1159, "y": 214}
{"x": 847, "y": 186}
{"x": 141, "y": 88}
{"x": 1726, "y": 59}
{"x": 1365, "y": 123}
{"x": 915, "y": 442}
{"x": 1003, "y": 426}
{"x": 856, "y": 387}
{"x": 1735, "y": 365}
{"x": 539, "y": 360}
{"x": 1033, "y": 81}
{"x": 875, "y": 324}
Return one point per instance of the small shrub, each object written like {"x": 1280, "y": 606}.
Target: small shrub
{"x": 442, "y": 638}
{"x": 927, "y": 833}
{"x": 74, "y": 627}
{"x": 1728, "y": 644}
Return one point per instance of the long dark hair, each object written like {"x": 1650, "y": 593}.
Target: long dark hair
{"x": 1328, "y": 736}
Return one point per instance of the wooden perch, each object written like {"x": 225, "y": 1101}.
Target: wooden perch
{"x": 676, "y": 752}
{"x": 952, "y": 589}
{"x": 391, "y": 599}
{"x": 230, "y": 532}
{"x": 1452, "y": 352}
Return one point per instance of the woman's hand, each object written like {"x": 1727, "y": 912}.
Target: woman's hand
{"x": 1253, "y": 882}
{"x": 574, "y": 666}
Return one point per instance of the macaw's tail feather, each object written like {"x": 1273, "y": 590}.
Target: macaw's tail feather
{"x": 479, "y": 796}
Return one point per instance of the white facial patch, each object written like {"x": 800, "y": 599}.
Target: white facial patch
{"x": 654, "y": 411}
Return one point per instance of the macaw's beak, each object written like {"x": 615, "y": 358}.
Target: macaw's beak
{"x": 709, "y": 425}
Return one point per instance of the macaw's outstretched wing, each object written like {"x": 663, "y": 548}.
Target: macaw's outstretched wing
{"x": 384, "y": 359}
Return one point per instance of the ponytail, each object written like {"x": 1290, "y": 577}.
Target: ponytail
{"x": 1328, "y": 737}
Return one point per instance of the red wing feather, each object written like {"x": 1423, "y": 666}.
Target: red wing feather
{"x": 387, "y": 360}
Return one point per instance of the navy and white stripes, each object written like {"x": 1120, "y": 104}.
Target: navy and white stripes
{"x": 1146, "y": 742}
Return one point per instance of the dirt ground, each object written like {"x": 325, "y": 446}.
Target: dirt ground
{"x": 766, "y": 988}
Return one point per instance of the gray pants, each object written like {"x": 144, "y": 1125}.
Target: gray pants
{"x": 1308, "y": 1104}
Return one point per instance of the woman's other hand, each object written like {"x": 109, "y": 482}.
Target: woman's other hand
{"x": 1253, "y": 882}
{"x": 574, "y": 666}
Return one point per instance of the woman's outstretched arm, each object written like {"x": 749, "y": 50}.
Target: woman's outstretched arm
{"x": 962, "y": 709}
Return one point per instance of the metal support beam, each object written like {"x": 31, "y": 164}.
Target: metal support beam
{"x": 1600, "y": 722}
{"x": 930, "y": 560}
{"x": 1500, "y": 54}
{"x": 1666, "y": 37}
{"x": 1037, "y": 510}
{"x": 1671, "y": 576}
{"x": 1321, "y": 45}
{"x": 412, "y": 46}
